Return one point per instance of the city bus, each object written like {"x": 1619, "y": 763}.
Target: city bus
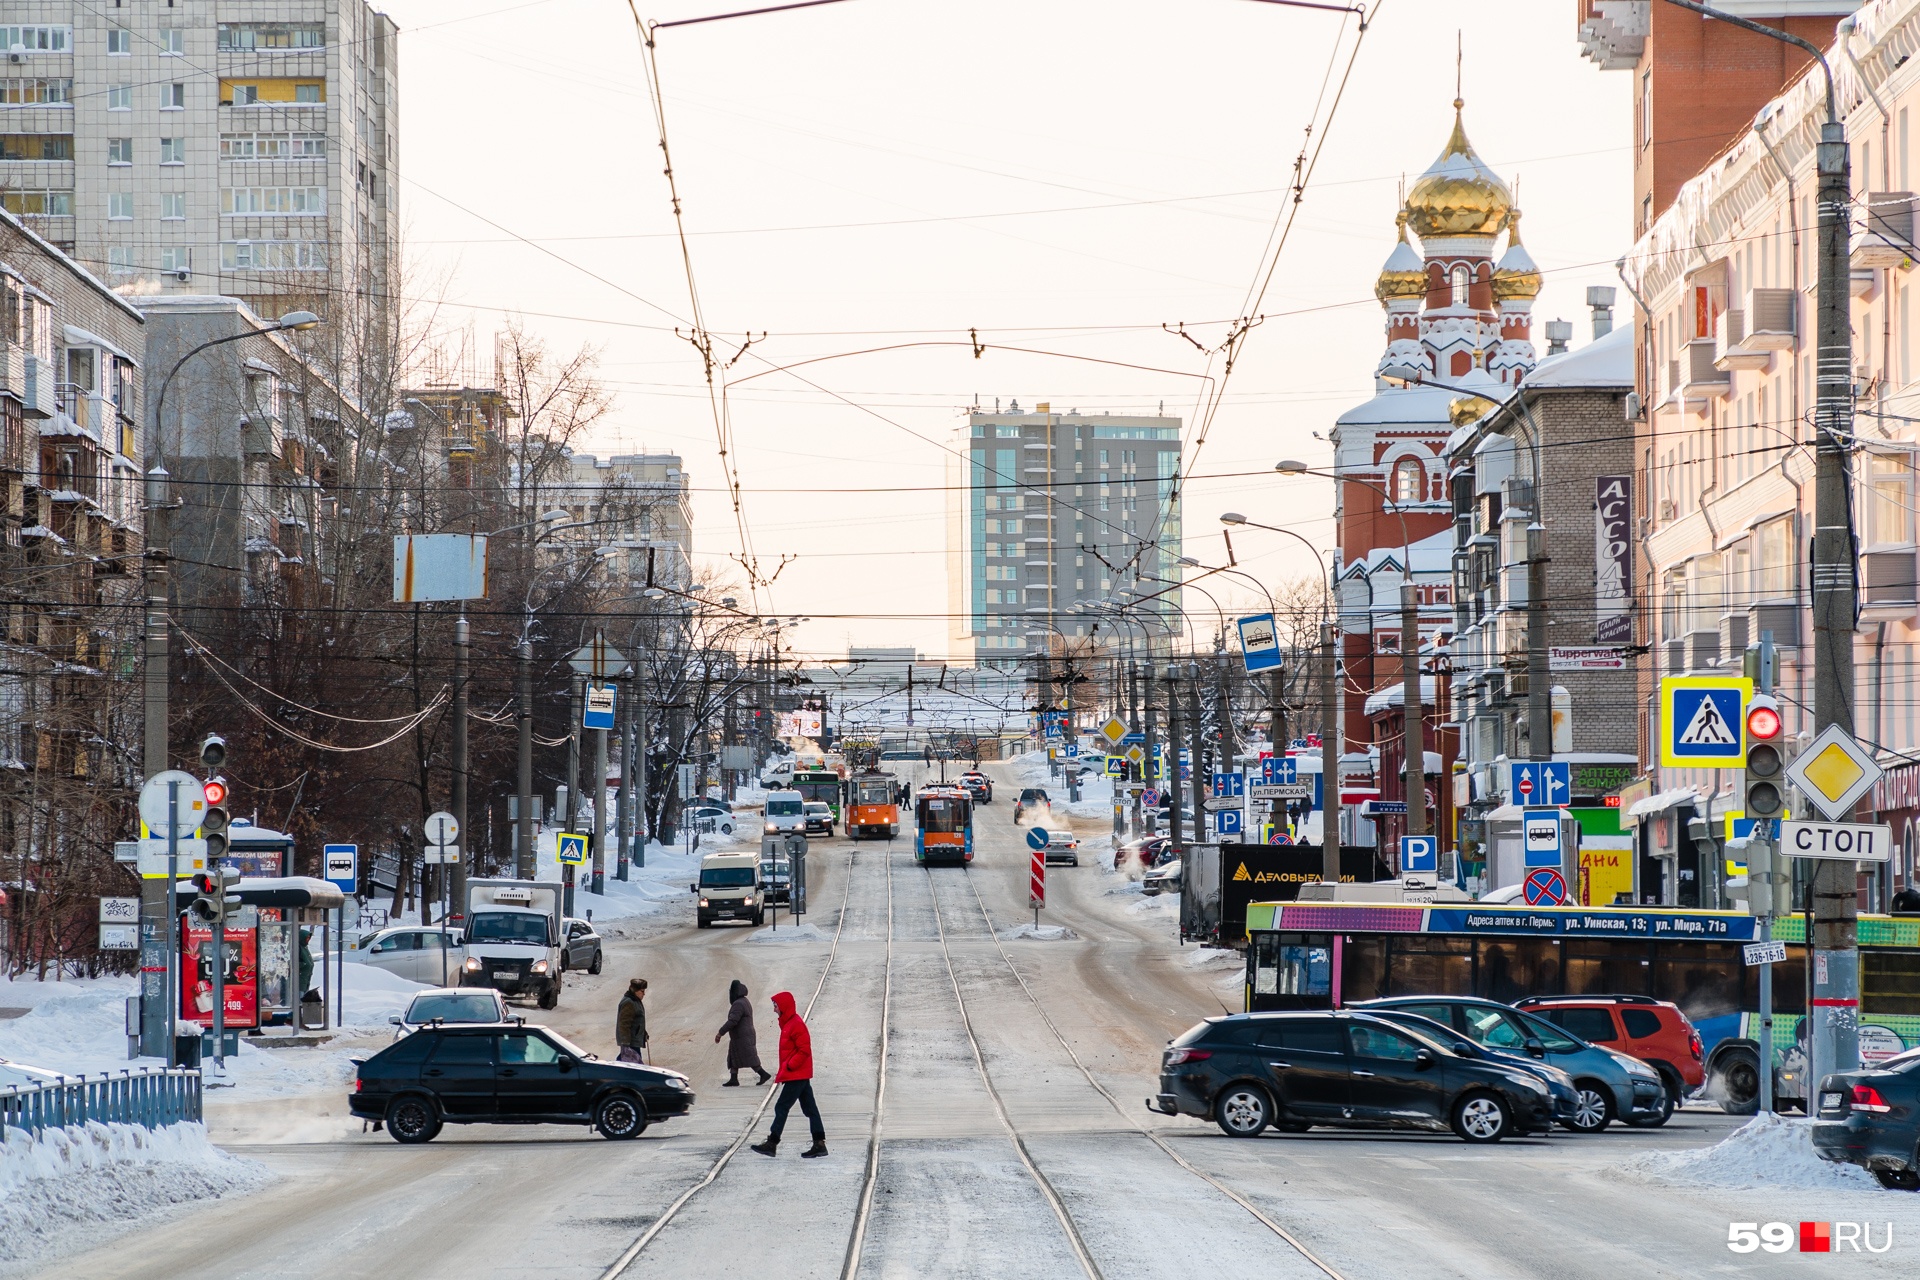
{"x": 1325, "y": 954}
{"x": 876, "y": 810}
{"x": 943, "y": 826}
{"x": 821, "y": 784}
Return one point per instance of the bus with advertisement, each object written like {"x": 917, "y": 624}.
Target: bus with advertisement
{"x": 1327, "y": 954}
{"x": 943, "y": 826}
{"x": 875, "y": 810}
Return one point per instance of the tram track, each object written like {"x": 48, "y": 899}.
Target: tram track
{"x": 1126, "y": 1117}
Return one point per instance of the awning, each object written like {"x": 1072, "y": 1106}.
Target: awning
{"x": 1662, "y": 802}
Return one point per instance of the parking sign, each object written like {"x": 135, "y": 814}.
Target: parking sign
{"x": 1420, "y": 853}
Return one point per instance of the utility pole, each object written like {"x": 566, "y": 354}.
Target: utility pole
{"x": 462, "y": 647}
{"x": 1196, "y": 740}
{"x": 159, "y": 930}
{"x": 641, "y": 742}
{"x": 523, "y": 859}
{"x": 1144, "y": 680}
{"x": 1834, "y": 1042}
{"x": 599, "y": 881}
{"x": 623, "y": 803}
{"x": 1329, "y": 758}
{"x": 1414, "y": 773}
{"x": 574, "y": 710}
{"x": 1173, "y": 755}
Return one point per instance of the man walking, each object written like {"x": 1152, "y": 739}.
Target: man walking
{"x": 795, "y": 1078}
{"x": 630, "y": 1022}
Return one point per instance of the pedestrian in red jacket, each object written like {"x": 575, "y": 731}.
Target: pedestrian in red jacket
{"x": 795, "y": 1078}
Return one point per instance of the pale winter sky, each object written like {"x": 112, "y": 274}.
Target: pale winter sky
{"x": 1065, "y": 176}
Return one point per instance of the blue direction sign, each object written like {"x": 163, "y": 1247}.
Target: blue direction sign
{"x": 1703, "y": 721}
{"x": 1420, "y": 853}
{"x": 1227, "y": 822}
{"x": 1539, "y": 782}
{"x": 1037, "y": 838}
{"x": 1280, "y": 771}
{"x": 570, "y": 847}
{"x": 1228, "y": 786}
{"x": 342, "y": 863}
{"x": 1541, "y": 831}
{"x": 1134, "y": 739}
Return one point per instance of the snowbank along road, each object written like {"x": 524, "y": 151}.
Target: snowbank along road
{"x": 982, "y": 1101}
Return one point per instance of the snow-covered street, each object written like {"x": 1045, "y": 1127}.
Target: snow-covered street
{"x": 982, "y": 1090}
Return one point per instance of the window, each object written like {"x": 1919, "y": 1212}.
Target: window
{"x": 173, "y": 151}
{"x": 1461, "y": 281}
{"x": 1640, "y": 1023}
{"x": 173, "y": 97}
{"x": 1308, "y": 1035}
{"x": 245, "y": 95}
{"x": 50, "y": 204}
{"x": 41, "y": 39}
{"x": 308, "y": 93}
{"x": 173, "y": 42}
{"x": 36, "y": 146}
{"x": 173, "y": 205}
{"x": 1890, "y": 519}
{"x": 23, "y": 91}
{"x": 464, "y": 1051}
{"x": 530, "y": 1049}
{"x": 1592, "y": 1025}
{"x": 120, "y": 206}
{"x": 273, "y": 200}
{"x": 120, "y": 98}
{"x": 272, "y": 37}
{"x": 273, "y": 146}
{"x": 119, "y": 259}
{"x": 1646, "y": 109}
{"x": 119, "y": 150}
{"x": 1409, "y": 481}
{"x": 1374, "y": 1041}
{"x": 119, "y": 42}
{"x": 176, "y": 258}
{"x": 1774, "y": 574}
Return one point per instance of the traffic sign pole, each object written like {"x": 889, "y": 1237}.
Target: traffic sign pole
{"x": 173, "y": 922}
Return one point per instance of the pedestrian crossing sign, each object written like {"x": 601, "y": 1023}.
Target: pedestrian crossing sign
{"x": 1703, "y": 722}
{"x": 571, "y": 847}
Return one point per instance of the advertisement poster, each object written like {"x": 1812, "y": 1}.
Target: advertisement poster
{"x": 242, "y": 974}
{"x": 1613, "y": 560}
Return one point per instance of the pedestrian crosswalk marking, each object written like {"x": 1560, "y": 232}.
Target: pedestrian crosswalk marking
{"x": 1708, "y": 728}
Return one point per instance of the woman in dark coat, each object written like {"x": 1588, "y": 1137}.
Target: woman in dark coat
{"x": 744, "y": 1048}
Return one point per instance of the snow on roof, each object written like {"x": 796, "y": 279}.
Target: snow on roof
{"x": 1605, "y": 362}
{"x": 1431, "y": 554}
{"x": 1393, "y": 695}
{"x": 1402, "y": 404}
{"x": 78, "y": 337}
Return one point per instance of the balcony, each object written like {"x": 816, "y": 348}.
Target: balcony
{"x": 1780, "y": 617}
{"x": 1700, "y": 377}
{"x": 1733, "y": 633}
{"x": 1730, "y": 350}
{"x": 1887, "y": 584}
{"x": 1703, "y": 650}
{"x": 1885, "y": 239}
{"x": 1772, "y": 319}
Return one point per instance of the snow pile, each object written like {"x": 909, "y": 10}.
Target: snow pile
{"x": 102, "y": 1173}
{"x": 1151, "y": 904}
{"x": 790, "y": 933}
{"x": 1126, "y": 888}
{"x": 1216, "y": 958}
{"x": 1037, "y": 933}
{"x": 1769, "y": 1151}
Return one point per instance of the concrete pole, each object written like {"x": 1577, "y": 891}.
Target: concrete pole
{"x": 1414, "y": 774}
{"x": 567, "y": 873}
{"x": 1173, "y": 758}
{"x": 462, "y": 652}
{"x": 1329, "y": 757}
{"x": 623, "y": 799}
{"x": 599, "y": 785}
{"x": 1196, "y": 740}
{"x": 159, "y": 934}
{"x": 523, "y": 860}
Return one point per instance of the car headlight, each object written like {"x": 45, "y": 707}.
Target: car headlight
{"x": 473, "y": 964}
{"x": 704, "y": 902}
{"x": 539, "y": 966}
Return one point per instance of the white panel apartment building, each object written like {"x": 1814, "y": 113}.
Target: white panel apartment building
{"x": 1726, "y": 280}
{"x": 239, "y": 147}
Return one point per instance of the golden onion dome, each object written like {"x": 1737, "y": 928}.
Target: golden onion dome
{"x": 1404, "y": 275}
{"x": 1458, "y": 195}
{"x": 1517, "y": 277}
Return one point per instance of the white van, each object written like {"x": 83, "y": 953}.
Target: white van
{"x": 729, "y": 889}
{"x": 786, "y": 811}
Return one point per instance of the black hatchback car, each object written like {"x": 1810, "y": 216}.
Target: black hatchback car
{"x": 1292, "y": 1071}
{"x": 1872, "y": 1118}
{"x": 508, "y": 1073}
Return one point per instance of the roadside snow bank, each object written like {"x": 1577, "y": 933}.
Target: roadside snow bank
{"x": 1037, "y": 933}
{"x": 1215, "y": 958}
{"x": 1767, "y": 1152}
{"x": 1155, "y": 904}
{"x": 105, "y": 1173}
{"x": 790, "y": 933}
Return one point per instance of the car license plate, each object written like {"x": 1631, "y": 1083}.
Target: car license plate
{"x": 504, "y": 975}
{"x": 1831, "y": 1100}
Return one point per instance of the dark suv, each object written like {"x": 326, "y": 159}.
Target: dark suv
{"x": 1247, "y": 1071}
{"x": 1654, "y": 1031}
{"x": 508, "y": 1073}
{"x": 978, "y": 785}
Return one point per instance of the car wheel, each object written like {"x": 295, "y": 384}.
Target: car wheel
{"x": 1592, "y": 1107}
{"x": 726, "y": 829}
{"x": 1669, "y": 1103}
{"x": 1242, "y": 1111}
{"x": 1898, "y": 1179}
{"x": 1481, "y": 1117}
{"x": 550, "y": 998}
{"x": 702, "y": 922}
{"x": 620, "y": 1116}
{"x": 412, "y": 1119}
{"x": 1736, "y": 1082}
{"x": 595, "y": 966}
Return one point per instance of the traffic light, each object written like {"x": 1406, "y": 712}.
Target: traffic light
{"x": 216, "y": 818}
{"x": 213, "y": 897}
{"x": 213, "y": 752}
{"x": 1765, "y": 785}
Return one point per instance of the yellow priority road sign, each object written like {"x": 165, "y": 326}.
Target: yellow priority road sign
{"x": 1113, "y": 730}
{"x": 1136, "y": 755}
{"x": 1834, "y": 771}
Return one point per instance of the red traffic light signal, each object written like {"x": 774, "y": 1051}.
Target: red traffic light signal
{"x": 216, "y": 789}
{"x": 1763, "y": 719}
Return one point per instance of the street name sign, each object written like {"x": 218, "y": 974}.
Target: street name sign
{"x": 1846, "y": 841}
{"x": 1834, "y": 771}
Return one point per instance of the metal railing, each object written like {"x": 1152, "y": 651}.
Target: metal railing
{"x": 151, "y": 1098}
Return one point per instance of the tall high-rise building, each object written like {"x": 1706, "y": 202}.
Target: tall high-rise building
{"x": 1058, "y": 510}
{"x": 195, "y": 146}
